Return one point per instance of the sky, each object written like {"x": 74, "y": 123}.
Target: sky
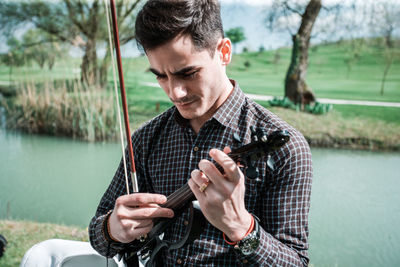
{"x": 251, "y": 15}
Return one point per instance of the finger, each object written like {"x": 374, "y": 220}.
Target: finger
{"x": 227, "y": 150}
{"x": 138, "y": 232}
{"x": 137, "y": 224}
{"x": 142, "y": 213}
{"x": 199, "y": 177}
{"x": 151, "y": 205}
{"x": 195, "y": 189}
{"x": 137, "y": 199}
{"x": 230, "y": 168}
{"x": 137, "y": 228}
{"x": 211, "y": 172}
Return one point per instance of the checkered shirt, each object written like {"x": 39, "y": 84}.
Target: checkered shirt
{"x": 166, "y": 150}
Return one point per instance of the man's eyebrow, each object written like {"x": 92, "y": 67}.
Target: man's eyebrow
{"x": 182, "y": 71}
{"x": 156, "y": 72}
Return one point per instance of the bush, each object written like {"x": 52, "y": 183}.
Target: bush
{"x": 86, "y": 113}
{"x": 317, "y": 108}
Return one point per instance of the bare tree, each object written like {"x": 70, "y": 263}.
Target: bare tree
{"x": 296, "y": 88}
{"x": 76, "y": 22}
{"x": 384, "y": 21}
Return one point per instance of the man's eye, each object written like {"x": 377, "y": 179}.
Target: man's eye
{"x": 190, "y": 74}
{"x": 160, "y": 77}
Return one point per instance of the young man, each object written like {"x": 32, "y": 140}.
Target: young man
{"x": 187, "y": 51}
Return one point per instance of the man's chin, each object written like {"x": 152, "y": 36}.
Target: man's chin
{"x": 188, "y": 114}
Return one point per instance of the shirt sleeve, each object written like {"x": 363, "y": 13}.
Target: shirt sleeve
{"x": 285, "y": 207}
{"x": 116, "y": 188}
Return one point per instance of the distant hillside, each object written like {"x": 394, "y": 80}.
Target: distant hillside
{"x": 344, "y": 70}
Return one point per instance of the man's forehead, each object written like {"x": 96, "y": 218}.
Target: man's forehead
{"x": 179, "y": 42}
{"x": 176, "y": 55}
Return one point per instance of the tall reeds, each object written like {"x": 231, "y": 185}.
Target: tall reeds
{"x": 64, "y": 109}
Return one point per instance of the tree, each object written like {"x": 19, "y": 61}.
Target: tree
{"x": 40, "y": 47}
{"x": 74, "y": 22}
{"x": 352, "y": 56}
{"x": 384, "y": 21}
{"x": 352, "y": 27}
{"x": 236, "y": 35}
{"x": 276, "y": 59}
{"x": 15, "y": 55}
{"x": 296, "y": 88}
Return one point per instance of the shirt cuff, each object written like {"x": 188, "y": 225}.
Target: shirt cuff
{"x": 260, "y": 254}
{"x": 103, "y": 245}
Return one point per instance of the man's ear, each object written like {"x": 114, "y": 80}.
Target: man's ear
{"x": 225, "y": 51}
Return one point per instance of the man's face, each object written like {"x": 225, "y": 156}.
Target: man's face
{"x": 193, "y": 80}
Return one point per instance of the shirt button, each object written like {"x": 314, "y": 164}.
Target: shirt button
{"x": 245, "y": 261}
{"x": 196, "y": 149}
{"x": 179, "y": 261}
{"x": 186, "y": 223}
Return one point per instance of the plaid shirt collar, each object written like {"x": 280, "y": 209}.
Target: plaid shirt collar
{"x": 226, "y": 114}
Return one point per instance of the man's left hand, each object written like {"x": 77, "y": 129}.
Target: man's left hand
{"x": 222, "y": 201}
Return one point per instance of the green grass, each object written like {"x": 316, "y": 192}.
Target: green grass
{"x": 21, "y": 235}
{"x": 67, "y": 68}
{"x": 328, "y": 77}
{"x": 386, "y": 114}
{"x": 327, "y": 74}
{"x": 336, "y": 130}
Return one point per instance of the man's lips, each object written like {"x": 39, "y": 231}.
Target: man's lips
{"x": 185, "y": 102}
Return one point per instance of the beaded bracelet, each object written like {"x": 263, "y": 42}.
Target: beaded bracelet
{"x": 247, "y": 233}
{"x": 106, "y": 227}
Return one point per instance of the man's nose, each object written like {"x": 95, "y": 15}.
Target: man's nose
{"x": 177, "y": 89}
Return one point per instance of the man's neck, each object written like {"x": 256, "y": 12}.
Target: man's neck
{"x": 199, "y": 122}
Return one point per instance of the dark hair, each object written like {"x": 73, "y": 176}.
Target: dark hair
{"x": 160, "y": 21}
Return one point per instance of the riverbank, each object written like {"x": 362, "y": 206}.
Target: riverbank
{"x": 333, "y": 130}
{"x": 258, "y": 73}
{"x": 21, "y": 235}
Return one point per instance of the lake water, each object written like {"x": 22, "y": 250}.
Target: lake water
{"x": 354, "y": 217}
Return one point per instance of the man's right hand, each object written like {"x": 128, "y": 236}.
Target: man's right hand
{"x": 133, "y": 215}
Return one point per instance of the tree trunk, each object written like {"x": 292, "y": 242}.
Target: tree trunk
{"x": 388, "y": 64}
{"x": 89, "y": 68}
{"x": 296, "y": 88}
{"x": 104, "y": 67}
{"x": 89, "y": 63}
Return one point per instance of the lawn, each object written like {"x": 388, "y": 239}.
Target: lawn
{"x": 328, "y": 76}
{"x": 21, "y": 235}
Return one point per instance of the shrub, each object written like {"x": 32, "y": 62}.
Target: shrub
{"x": 86, "y": 113}
{"x": 317, "y": 108}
